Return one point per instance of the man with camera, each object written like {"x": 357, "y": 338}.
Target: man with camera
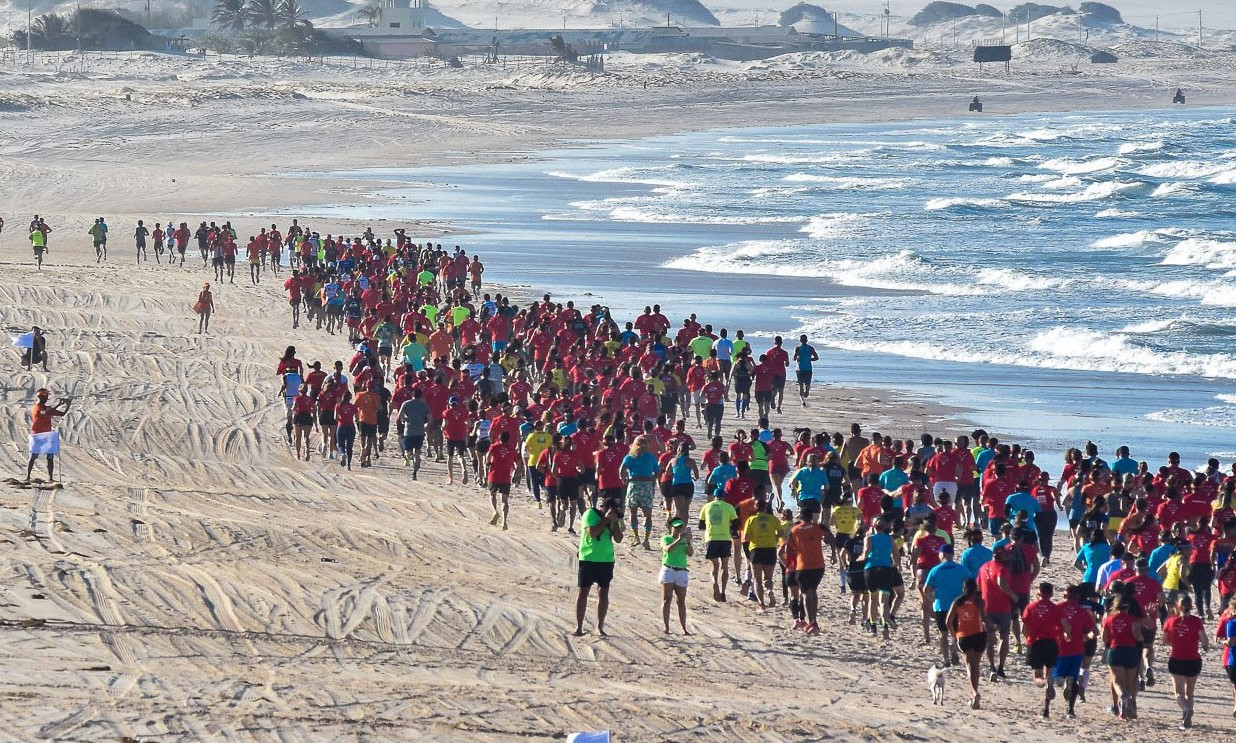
{"x": 601, "y": 528}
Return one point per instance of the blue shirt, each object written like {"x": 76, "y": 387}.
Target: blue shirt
{"x": 645, "y": 465}
{"x": 628, "y": 337}
{"x": 805, "y": 352}
{"x": 1093, "y": 556}
{"x": 983, "y": 459}
{"x": 946, "y": 580}
{"x": 1124, "y": 466}
{"x": 1023, "y": 501}
{"x": 974, "y": 558}
{"x": 881, "y": 551}
{"x": 722, "y": 474}
{"x": 1158, "y": 556}
{"x": 811, "y": 483}
{"x": 894, "y": 478}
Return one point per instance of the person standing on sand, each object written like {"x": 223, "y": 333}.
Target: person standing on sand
{"x": 600, "y": 529}
{"x": 139, "y": 237}
{"x": 675, "y": 550}
{"x": 204, "y": 307}
{"x": 43, "y": 440}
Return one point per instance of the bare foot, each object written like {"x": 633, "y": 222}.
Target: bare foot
{"x": 580, "y": 633}
{"x": 601, "y": 632}
{"x": 685, "y": 633}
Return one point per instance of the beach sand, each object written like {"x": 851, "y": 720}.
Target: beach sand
{"x": 192, "y": 581}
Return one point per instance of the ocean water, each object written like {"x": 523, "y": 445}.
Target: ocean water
{"x": 1065, "y": 276}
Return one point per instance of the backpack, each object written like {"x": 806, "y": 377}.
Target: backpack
{"x": 1015, "y": 558}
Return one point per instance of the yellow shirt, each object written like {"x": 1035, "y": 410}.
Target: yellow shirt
{"x": 1171, "y": 578}
{"x": 762, "y": 531}
{"x": 845, "y": 519}
{"x": 535, "y": 444}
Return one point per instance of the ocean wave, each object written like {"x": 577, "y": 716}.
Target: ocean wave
{"x": 1226, "y": 178}
{"x": 1182, "y": 323}
{"x": 1019, "y": 280}
{"x": 770, "y": 191}
{"x": 1093, "y": 192}
{"x": 1202, "y": 252}
{"x": 1129, "y": 148}
{"x": 849, "y": 183}
{"x": 747, "y": 256}
{"x": 844, "y": 157}
{"x": 1209, "y": 293}
{"x": 1141, "y": 238}
{"x": 1172, "y": 188}
{"x": 840, "y": 224}
{"x": 999, "y": 162}
{"x": 654, "y": 216}
{"x": 1218, "y": 416}
{"x": 1071, "y": 166}
{"x": 962, "y": 203}
{"x": 1183, "y": 169}
{"x": 623, "y": 175}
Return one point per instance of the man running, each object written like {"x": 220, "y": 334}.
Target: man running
{"x": 804, "y": 356}
{"x": 501, "y": 463}
{"x": 1046, "y": 628}
{"x": 719, "y": 523}
{"x": 411, "y": 420}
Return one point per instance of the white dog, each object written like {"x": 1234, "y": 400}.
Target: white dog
{"x": 935, "y": 682}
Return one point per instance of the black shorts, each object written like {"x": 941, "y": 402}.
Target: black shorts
{"x": 1148, "y": 635}
{"x": 742, "y": 386}
{"x": 975, "y": 643}
{"x": 879, "y": 579}
{"x": 809, "y": 580}
{"x": 1023, "y": 600}
{"x": 383, "y": 350}
{"x": 303, "y": 419}
{"x": 791, "y": 578}
{"x": 456, "y": 447}
{"x": 412, "y": 443}
{"x": 612, "y": 494}
{"x": 568, "y": 489}
{"x": 588, "y": 476}
{"x": 856, "y": 581}
{"x": 367, "y": 429}
{"x": 1186, "y": 668}
{"x": 1124, "y": 657}
{"x": 940, "y": 616}
{"x": 481, "y": 446}
{"x": 764, "y": 556}
{"x": 599, "y": 573}
{"x": 764, "y": 397}
{"x": 1090, "y": 647}
{"x": 778, "y": 384}
{"x": 1042, "y": 654}
{"x": 804, "y": 377}
{"x": 684, "y": 490}
{"x": 216, "y": 261}
{"x": 326, "y": 419}
{"x": 719, "y": 550}
{"x": 1231, "y": 674}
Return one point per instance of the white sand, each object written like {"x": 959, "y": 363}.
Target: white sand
{"x": 193, "y": 582}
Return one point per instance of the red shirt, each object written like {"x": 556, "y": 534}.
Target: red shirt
{"x": 608, "y": 461}
{"x": 997, "y": 601}
{"x": 1081, "y": 622}
{"x": 1119, "y": 627}
{"x": 1184, "y": 634}
{"x": 779, "y": 358}
{"x": 1146, "y": 590}
{"x": 501, "y": 459}
{"x": 345, "y": 414}
{"x": 456, "y": 423}
{"x": 714, "y": 393}
{"x": 739, "y": 489}
{"x": 1041, "y": 621}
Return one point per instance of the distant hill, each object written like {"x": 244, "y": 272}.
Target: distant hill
{"x": 1034, "y": 11}
{"x": 1098, "y": 13}
{"x": 940, "y": 11}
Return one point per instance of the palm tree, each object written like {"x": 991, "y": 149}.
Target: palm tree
{"x": 263, "y": 13}
{"x": 230, "y": 15}
{"x": 48, "y": 30}
{"x": 372, "y": 14}
{"x": 291, "y": 13}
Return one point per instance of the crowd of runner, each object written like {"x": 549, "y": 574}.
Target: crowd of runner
{"x": 591, "y": 414}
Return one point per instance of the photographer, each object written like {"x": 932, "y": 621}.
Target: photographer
{"x": 601, "y": 528}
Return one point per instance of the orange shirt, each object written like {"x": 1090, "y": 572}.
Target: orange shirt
{"x": 440, "y": 344}
{"x": 808, "y": 546}
{"x": 367, "y": 407}
{"x": 746, "y": 509}
{"x": 42, "y": 418}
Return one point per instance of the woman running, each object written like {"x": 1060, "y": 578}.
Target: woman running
{"x": 302, "y": 419}
{"x": 204, "y": 307}
{"x": 1226, "y": 634}
{"x": 742, "y": 374}
{"x": 345, "y": 428}
{"x": 1184, "y": 633}
{"x": 762, "y": 532}
{"x": 1122, "y": 636}
{"x": 967, "y": 622}
{"x": 683, "y": 472}
{"x": 675, "y": 549}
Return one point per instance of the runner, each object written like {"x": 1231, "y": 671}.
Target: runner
{"x": 967, "y": 621}
{"x": 683, "y": 472}
{"x": 719, "y": 523}
{"x": 1046, "y": 629}
{"x": 762, "y": 532}
{"x": 204, "y": 307}
{"x": 1075, "y": 648}
{"x": 1184, "y": 633}
{"x": 638, "y": 471}
{"x": 501, "y": 469}
{"x": 804, "y": 357}
{"x": 942, "y": 585}
{"x": 139, "y": 237}
{"x": 807, "y": 539}
{"x": 676, "y": 550}
{"x": 1122, "y": 636}
{"x": 411, "y": 419}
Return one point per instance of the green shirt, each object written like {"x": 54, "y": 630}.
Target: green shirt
{"x": 415, "y": 355}
{"x": 739, "y": 345}
{"x": 459, "y": 314}
{"x": 701, "y": 345}
{"x": 430, "y": 312}
{"x": 717, "y": 516}
{"x": 38, "y": 239}
{"x": 759, "y": 456}
{"x": 425, "y": 278}
{"x": 676, "y": 557}
{"x": 600, "y": 549}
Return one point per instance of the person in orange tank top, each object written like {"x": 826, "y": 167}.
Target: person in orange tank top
{"x": 967, "y": 621}
{"x": 43, "y": 440}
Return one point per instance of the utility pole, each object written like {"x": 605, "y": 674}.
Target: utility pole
{"x": 834, "y": 23}
{"x": 1199, "y": 29}
{"x": 1156, "y": 29}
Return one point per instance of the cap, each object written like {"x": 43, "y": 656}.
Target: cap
{"x": 946, "y": 549}
{"x": 675, "y": 523}
{"x": 453, "y": 400}
{"x": 43, "y": 392}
